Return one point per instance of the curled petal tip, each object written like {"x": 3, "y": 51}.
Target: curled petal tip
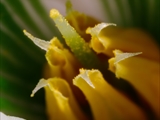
{"x": 122, "y": 56}
{"x": 96, "y": 30}
{"x": 42, "y": 83}
{"x": 40, "y": 43}
{"x": 84, "y": 74}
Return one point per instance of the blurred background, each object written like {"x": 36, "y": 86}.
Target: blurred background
{"x": 21, "y": 62}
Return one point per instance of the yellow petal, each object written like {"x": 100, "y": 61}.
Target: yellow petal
{"x": 143, "y": 74}
{"x": 60, "y": 102}
{"x": 127, "y": 40}
{"x": 61, "y": 63}
{"x": 105, "y": 101}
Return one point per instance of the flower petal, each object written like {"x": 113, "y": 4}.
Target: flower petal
{"x": 62, "y": 98}
{"x": 128, "y": 40}
{"x": 60, "y": 102}
{"x": 105, "y": 101}
{"x": 143, "y": 74}
{"x": 61, "y": 61}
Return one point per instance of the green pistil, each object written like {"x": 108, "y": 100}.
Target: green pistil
{"x": 77, "y": 44}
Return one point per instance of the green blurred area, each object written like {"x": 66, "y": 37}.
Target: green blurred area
{"x": 144, "y": 14}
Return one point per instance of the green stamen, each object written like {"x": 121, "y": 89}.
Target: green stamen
{"x": 77, "y": 44}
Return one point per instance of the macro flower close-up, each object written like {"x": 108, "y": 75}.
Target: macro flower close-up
{"x": 80, "y": 60}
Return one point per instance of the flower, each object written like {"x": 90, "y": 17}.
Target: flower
{"x": 9, "y": 75}
{"x": 62, "y": 66}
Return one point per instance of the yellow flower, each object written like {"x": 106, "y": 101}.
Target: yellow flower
{"x": 65, "y": 87}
